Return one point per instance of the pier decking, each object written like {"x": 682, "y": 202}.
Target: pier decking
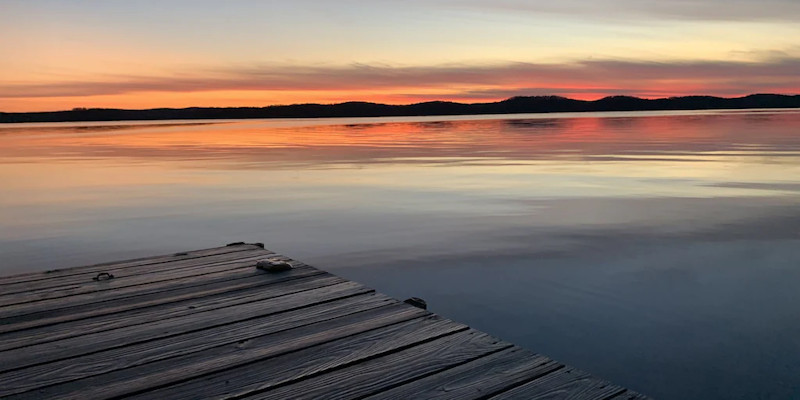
{"x": 209, "y": 324}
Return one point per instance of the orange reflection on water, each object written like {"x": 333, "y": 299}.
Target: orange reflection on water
{"x": 518, "y": 138}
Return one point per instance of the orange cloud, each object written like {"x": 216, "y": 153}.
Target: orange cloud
{"x": 259, "y": 86}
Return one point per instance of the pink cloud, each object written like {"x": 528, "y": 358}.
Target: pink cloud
{"x": 603, "y": 77}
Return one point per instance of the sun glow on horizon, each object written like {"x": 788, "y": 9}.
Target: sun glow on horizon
{"x": 182, "y": 54}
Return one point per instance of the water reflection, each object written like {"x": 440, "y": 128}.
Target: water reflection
{"x": 648, "y": 248}
{"x": 517, "y": 139}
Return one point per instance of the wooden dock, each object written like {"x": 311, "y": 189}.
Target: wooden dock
{"x": 209, "y": 324}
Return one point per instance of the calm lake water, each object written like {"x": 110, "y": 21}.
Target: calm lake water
{"x": 658, "y": 250}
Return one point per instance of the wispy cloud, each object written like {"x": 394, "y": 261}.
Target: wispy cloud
{"x": 706, "y": 10}
{"x": 778, "y": 74}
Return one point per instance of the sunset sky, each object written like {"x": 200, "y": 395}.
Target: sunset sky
{"x": 169, "y": 53}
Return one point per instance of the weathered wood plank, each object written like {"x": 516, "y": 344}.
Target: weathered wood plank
{"x": 78, "y": 279}
{"x": 91, "y": 343}
{"x": 563, "y": 384}
{"x": 116, "y": 306}
{"x": 302, "y": 356}
{"x": 137, "y": 262}
{"x": 235, "y": 270}
{"x": 630, "y": 395}
{"x": 275, "y": 334}
{"x": 383, "y": 373}
{"x": 123, "y": 281}
{"x": 476, "y": 379}
{"x": 110, "y": 321}
{"x": 277, "y": 365}
{"x": 208, "y": 324}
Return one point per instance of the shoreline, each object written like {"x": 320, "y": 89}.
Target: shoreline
{"x": 514, "y": 105}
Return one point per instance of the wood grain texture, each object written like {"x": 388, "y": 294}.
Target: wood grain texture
{"x": 275, "y": 334}
{"x": 116, "y": 320}
{"x": 122, "y": 280}
{"x": 162, "y": 373}
{"x": 630, "y": 395}
{"x": 105, "y": 340}
{"x": 476, "y": 379}
{"x": 63, "y": 316}
{"x": 208, "y": 324}
{"x": 174, "y": 371}
{"x": 77, "y": 279}
{"x": 563, "y": 384}
{"x": 56, "y": 272}
{"x": 383, "y": 373}
{"x": 234, "y": 270}
{"x": 303, "y": 357}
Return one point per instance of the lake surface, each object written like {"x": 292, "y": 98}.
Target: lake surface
{"x": 658, "y": 250}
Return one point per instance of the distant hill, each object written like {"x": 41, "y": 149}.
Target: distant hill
{"x": 533, "y": 104}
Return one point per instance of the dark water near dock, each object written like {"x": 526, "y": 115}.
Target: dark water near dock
{"x": 658, "y": 250}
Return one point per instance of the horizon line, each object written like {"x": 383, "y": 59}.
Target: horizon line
{"x": 78, "y": 109}
{"x": 355, "y": 109}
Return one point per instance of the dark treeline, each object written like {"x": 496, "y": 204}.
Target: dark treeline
{"x": 535, "y": 104}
